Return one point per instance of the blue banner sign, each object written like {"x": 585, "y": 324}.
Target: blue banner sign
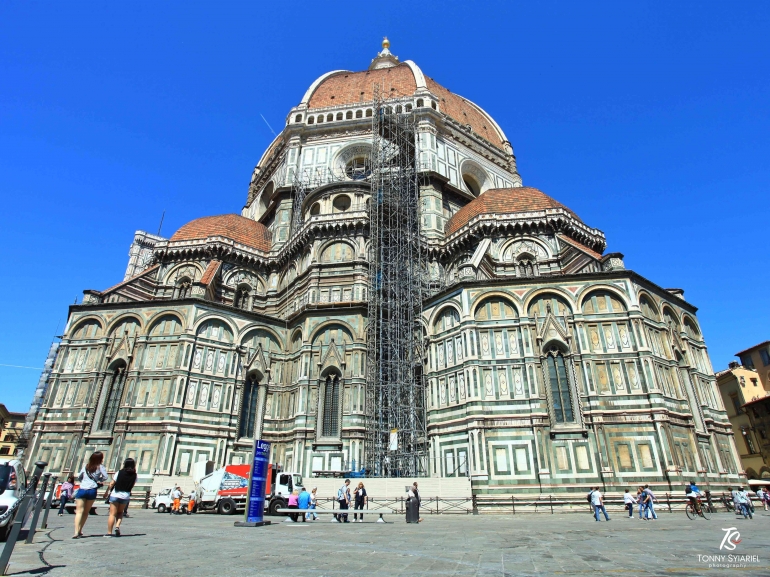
{"x": 255, "y": 510}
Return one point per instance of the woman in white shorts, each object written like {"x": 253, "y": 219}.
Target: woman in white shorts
{"x": 120, "y": 494}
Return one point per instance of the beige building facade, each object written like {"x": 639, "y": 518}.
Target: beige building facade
{"x": 758, "y": 359}
{"x": 11, "y": 426}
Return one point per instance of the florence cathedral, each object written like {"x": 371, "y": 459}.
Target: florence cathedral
{"x": 545, "y": 365}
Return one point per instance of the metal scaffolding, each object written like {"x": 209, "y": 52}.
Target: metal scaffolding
{"x": 396, "y": 436}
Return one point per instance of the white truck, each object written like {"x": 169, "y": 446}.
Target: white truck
{"x": 225, "y": 490}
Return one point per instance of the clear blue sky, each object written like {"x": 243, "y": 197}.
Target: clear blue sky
{"x": 648, "y": 119}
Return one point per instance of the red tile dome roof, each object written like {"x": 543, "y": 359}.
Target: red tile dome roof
{"x": 357, "y": 88}
{"x": 233, "y": 226}
{"x": 503, "y": 201}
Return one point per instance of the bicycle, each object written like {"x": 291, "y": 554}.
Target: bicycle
{"x": 692, "y": 511}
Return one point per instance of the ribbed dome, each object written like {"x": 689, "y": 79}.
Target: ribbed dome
{"x": 503, "y": 201}
{"x": 343, "y": 87}
{"x": 233, "y": 226}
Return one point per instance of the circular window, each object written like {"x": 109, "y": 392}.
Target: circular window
{"x": 471, "y": 184}
{"x": 358, "y": 168}
{"x": 341, "y": 203}
{"x": 315, "y": 209}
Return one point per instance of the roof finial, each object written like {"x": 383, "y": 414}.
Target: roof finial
{"x": 384, "y": 59}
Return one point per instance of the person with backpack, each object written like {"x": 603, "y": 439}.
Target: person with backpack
{"x": 343, "y": 498}
{"x": 65, "y": 493}
{"x": 598, "y": 504}
{"x": 629, "y": 501}
{"x": 589, "y": 500}
{"x": 120, "y": 493}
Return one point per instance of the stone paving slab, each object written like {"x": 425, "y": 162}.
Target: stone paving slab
{"x": 160, "y": 545}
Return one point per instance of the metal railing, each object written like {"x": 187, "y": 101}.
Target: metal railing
{"x": 19, "y": 512}
{"x": 559, "y": 503}
{"x": 428, "y": 505}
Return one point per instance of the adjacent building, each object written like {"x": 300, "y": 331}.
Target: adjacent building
{"x": 546, "y": 364}
{"x": 11, "y": 426}
{"x": 758, "y": 412}
{"x": 758, "y": 358}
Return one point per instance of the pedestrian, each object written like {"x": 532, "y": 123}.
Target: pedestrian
{"x": 293, "y": 503}
{"x": 650, "y": 503}
{"x": 361, "y": 499}
{"x": 343, "y": 498}
{"x": 65, "y": 493}
{"x": 741, "y": 506}
{"x": 91, "y": 478}
{"x": 763, "y": 497}
{"x": 303, "y": 502}
{"x": 747, "y": 499}
{"x": 747, "y": 496}
{"x": 640, "y": 500}
{"x": 590, "y": 501}
{"x": 176, "y": 495}
{"x": 191, "y": 502}
{"x": 313, "y": 503}
{"x": 629, "y": 500}
{"x": 598, "y": 503}
{"x": 413, "y": 502}
{"x": 120, "y": 493}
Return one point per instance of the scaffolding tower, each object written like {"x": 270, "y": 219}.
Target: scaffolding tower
{"x": 396, "y": 436}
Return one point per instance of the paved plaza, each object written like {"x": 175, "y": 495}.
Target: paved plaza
{"x": 157, "y": 545}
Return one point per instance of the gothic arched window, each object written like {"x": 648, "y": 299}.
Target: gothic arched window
{"x": 331, "y": 424}
{"x": 525, "y": 265}
{"x": 249, "y": 407}
{"x": 561, "y": 394}
{"x": 114, "y": 391}
{"x": 242, "y": 297}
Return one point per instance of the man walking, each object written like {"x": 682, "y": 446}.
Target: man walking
{"x": 598, "y": 504}
{"x": 343, "y": 498}
{"x": 650, "y": 503}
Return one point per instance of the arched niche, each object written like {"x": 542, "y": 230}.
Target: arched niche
{"x": 602, "y": 301}
{"x": 495, "y": 308}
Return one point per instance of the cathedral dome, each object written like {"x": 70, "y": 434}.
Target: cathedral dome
{"x": 503, "y": 201}
{"x": 233, "y": 226}
{"x": 400, "y": 79}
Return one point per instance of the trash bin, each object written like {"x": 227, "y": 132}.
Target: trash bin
{"x": 412, "y": 511}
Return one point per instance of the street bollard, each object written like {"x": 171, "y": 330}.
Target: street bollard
{"x": 18, "y": 519}
{"x": 44, "y": 522}
{"x": 38, "y": 507}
